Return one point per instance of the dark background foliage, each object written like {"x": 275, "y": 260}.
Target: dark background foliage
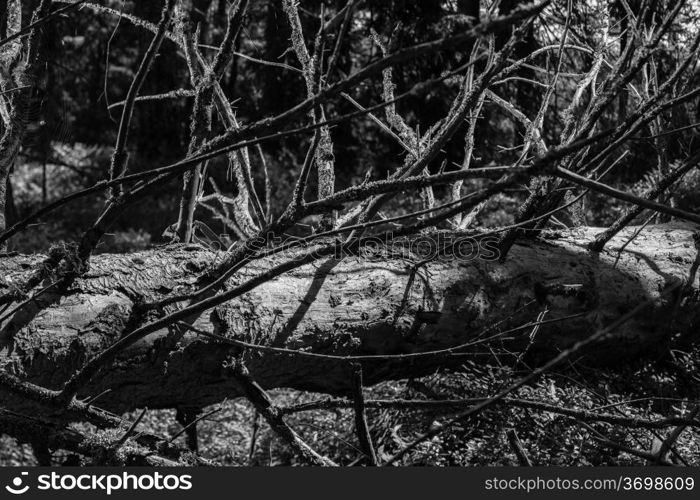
{"x": 89, "y": 59}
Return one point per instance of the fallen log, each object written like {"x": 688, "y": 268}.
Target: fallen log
{"x": 388, "y": 309}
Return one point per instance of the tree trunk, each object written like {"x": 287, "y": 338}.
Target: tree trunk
{"x": 384, "y": 306}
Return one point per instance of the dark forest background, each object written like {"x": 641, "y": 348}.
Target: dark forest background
{"x": 89, "y": 60}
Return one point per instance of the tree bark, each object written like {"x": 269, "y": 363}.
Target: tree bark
{"x": 382, "y": 306}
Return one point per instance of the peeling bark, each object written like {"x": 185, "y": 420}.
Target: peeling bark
{"x": 387, "y": 306}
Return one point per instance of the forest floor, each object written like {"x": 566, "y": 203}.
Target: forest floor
{"x": 648, "y": 390}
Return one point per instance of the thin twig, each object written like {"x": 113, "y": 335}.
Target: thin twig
{"x": 262, "y": 402}
{"x": 361, "y": 427}
{"x": 518, "y": 448}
